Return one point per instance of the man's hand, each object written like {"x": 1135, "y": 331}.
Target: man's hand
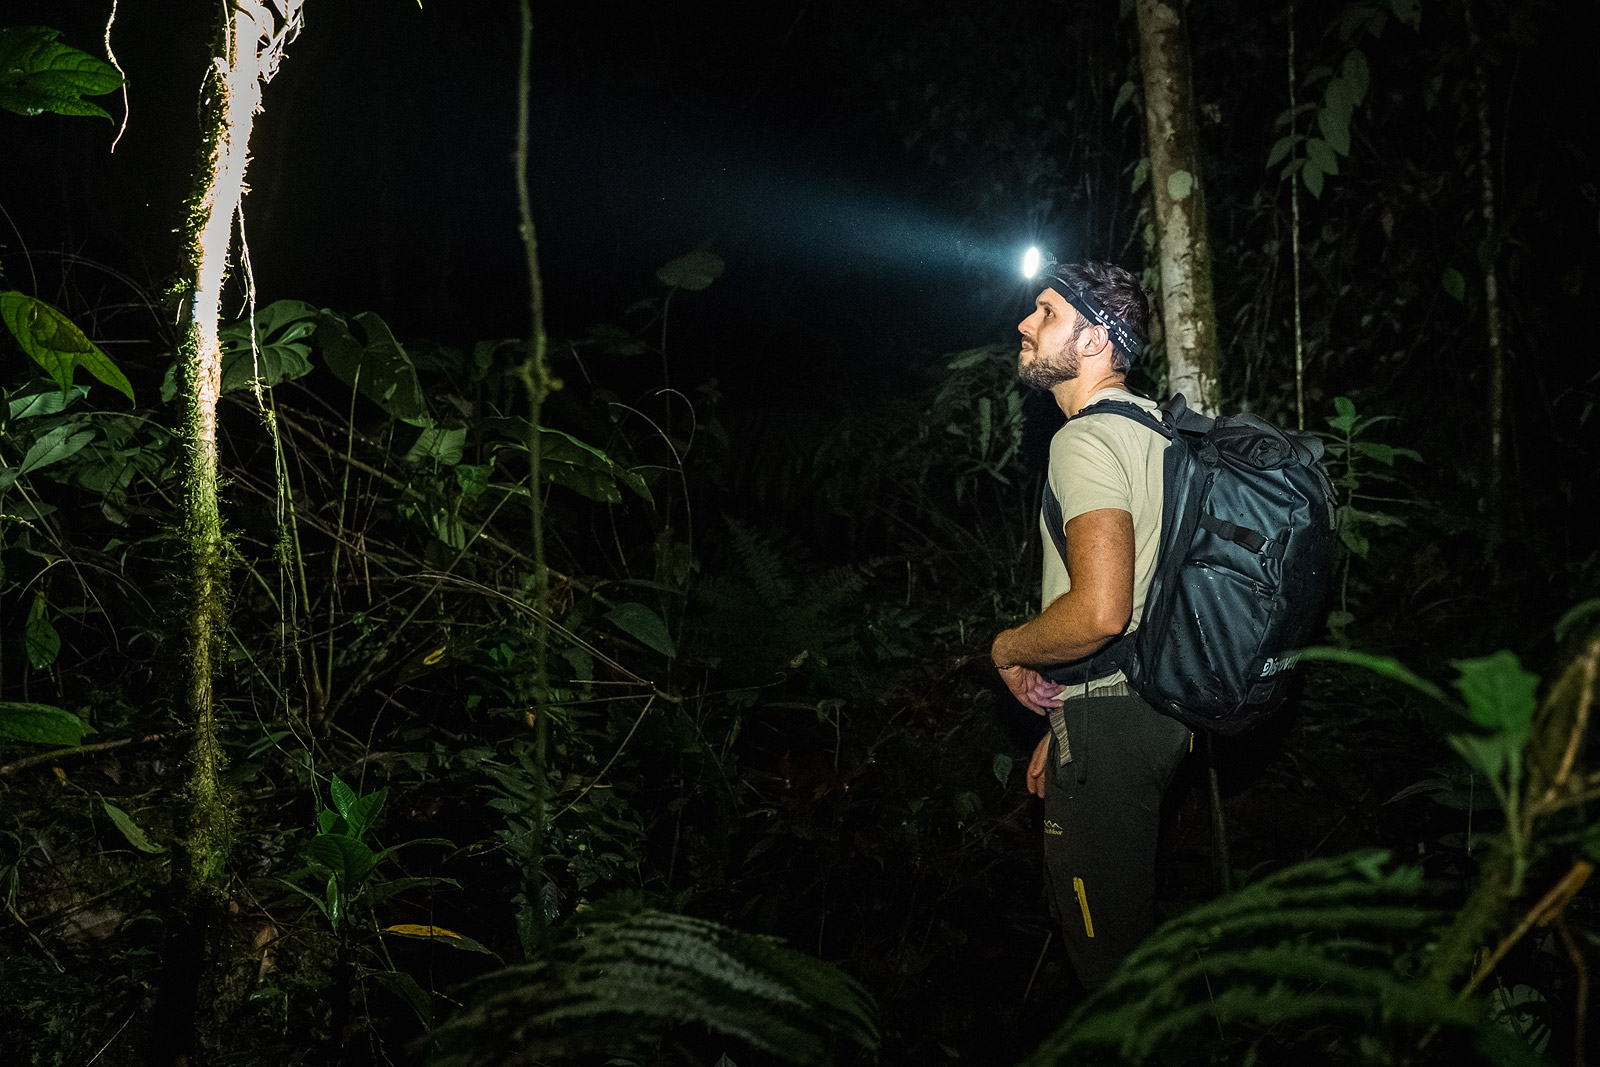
{"x": 1031, "y": 689}
{"x": 1041, "y": 753}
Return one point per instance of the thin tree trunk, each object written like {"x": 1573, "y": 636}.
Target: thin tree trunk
{"x": 234, "y": 94}
{"x": 1177, "y": 195}
{"x": 1491, "y": 288}
{"x": 538, "y": 384}
{"x": 250, "y": 40}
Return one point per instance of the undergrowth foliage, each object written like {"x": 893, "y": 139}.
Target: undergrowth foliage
{"x": 765, "y": 714}
{"x": 740, "y": 726}
{"x": 621, "y": 970}
{"x": 1326, "y": 948}
{"x": 387, "y": 599}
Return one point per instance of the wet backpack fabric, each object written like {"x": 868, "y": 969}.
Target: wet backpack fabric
{"x": 1247, "y": 548}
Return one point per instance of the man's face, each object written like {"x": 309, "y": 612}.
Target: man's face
{"x": 1049, "y": 342}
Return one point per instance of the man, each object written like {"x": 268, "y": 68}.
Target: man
{"x": 1107, "y": 759}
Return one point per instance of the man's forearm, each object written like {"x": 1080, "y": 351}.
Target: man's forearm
{"x": 1063, "y": 631}
{"x": 1097, "y": 604}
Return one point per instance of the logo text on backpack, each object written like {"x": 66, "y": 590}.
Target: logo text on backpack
{"x": 1279, "y": 664}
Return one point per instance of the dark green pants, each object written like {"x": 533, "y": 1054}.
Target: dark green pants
{"x": 1102, "y": 815}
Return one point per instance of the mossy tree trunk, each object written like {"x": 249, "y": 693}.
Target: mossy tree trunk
{"x": 1188, "y": 314}
{"x": 232, "y": 93}
{"x": 250, "y": 38}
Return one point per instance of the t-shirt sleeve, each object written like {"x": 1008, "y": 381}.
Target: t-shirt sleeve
{"x": 1085, "y": 473}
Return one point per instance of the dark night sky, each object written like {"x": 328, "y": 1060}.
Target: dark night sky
{"x": 382, "y": 178}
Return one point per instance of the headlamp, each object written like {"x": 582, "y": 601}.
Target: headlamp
{"x": 1043, "y": 268}
{"x": 1030, "y": 263}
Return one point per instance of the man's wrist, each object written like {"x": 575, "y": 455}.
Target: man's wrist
{"x": 1001, "y": 662}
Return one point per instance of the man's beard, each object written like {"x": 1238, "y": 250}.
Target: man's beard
{"x": 1047, "y": 373}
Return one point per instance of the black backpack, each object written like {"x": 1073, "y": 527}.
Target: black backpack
{"x": 1248, "y": 545}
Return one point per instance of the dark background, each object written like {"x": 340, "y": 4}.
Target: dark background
{"x": 870, "y": 174}
{"x": 382, "y": 179}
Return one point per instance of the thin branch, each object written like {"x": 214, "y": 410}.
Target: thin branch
{"x": 1589, "y": 663}
{"x": 602, "y": 772}
{"x": 1548, "y": 909}
{"x": 62, "y": 753}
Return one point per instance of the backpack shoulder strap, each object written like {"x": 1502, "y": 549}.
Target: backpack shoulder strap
{"x": 1051, "y": 508}
{"x": 1165, "y": 420}
{"x": 1157, "y": 420}
{"x": 1114, "y": 656}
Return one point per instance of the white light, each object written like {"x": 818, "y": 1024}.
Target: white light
{"x": 1030, "y": 263}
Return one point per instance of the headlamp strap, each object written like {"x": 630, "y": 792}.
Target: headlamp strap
{"x": 1097, "y": 313}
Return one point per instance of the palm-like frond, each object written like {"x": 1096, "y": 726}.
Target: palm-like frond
{"x": 619, "y": 980}
{"x": 1328, "y": 940}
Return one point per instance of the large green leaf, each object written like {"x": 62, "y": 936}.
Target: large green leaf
{"x": 369, "y": 358}
{"x": 343, "y": 858}
{"x": 1356, "y": 74}
{"x": 39, "y": 636}
{"x": 1499, "y": 693}
{"x": 1500, "y": 698}
{"x": 572, "y": 463}
{"x": 55, "y": 343}
{"x": 359, "y": 813}
{"x": 43, "y": 724}
{"x": 39, "y": 74}
{"x": 1333, "y": 122}
{"x": 282, "y": 348}
{"x": 61, "y": 442}
{"x": 1313, "y": 175}
{"x": 696, "y": 270}
{"x": 32, "y": 405}
{"x": 1319, "y": 153}
{"x": 1281, "y": 149}
{"x": 443, "y": 446}
{"x": 642, "y": 624}
{"x": 130, "y": 829}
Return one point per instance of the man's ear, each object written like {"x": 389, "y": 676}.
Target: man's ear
{"x": 1097, "y": 340}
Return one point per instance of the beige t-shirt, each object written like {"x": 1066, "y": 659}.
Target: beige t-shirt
{"x": 1107, "y": 461}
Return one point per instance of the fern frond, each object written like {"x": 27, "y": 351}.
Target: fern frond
{"x": 619, "y": 980}
{"x": 1319, "y": 941}
{"x": 832, "y": 590}
{"x": 761, "y": 565}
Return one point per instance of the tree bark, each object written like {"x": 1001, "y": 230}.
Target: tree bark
{"x": 1177, "y": 197}
{"x": 233, "y": 94}
{"x": 249, "y": 43}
